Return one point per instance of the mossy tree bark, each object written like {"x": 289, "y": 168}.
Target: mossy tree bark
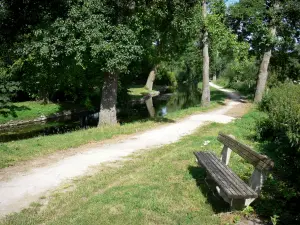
{"x": 205, "y": 99}
{"x": 108, "y": 111}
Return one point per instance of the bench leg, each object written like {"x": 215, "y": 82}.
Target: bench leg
{"x": 223, "y": 195}
{"x": 257, "y": 179}
{"x": 237, "y": 204}
{"x": 240, "y": 204}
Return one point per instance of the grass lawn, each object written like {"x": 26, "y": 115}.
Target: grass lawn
{"x": 15, "y": 151}
{"x": 161, "y": 186}
{"x": 31, "y": 110}
{"x": 138, "y": 91}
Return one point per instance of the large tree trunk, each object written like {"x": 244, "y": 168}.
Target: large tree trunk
{"x": 108, "y": 111}
{"x": 205, "y": 99}
{"x": 263, "y": 72}
{"x": 151, "y": 79}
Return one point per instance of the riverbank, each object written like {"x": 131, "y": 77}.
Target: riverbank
{"x": 22, "y": 150}
{"x": 35, "y": 111}
{"x": 29, "y": 112}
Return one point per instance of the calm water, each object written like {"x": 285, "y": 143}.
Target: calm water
{"x": 158, "y": 106}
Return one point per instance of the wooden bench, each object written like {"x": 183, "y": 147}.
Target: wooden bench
{"x": 228, "y": 185}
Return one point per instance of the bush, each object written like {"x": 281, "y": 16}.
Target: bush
{"x": 280, "y": 135}
{"x": 8, "y": 89}
{"x": 282, "y": 105}
{"x": 241, "y": 76}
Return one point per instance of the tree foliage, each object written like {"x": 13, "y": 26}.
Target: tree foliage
{"x": 8, "y": 89}
{"x": 250, "y": 20}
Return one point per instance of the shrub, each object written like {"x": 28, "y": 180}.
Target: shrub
{"x": 282, "y": 105}
{"x": 280, "y": 133}
{"x": 241, "y": 76}
{"x": 8, "y": 89}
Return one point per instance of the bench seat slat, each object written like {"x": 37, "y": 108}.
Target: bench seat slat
{"x": 228, "y": 184}
{"x": 244, "y": 189}
{"x": 228, "y": 181}
{"x": 207, "y": 163}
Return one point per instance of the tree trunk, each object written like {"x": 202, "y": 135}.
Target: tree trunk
{"x": 151, "y": 78}
{"x": 45, "y": 100}
{"x": 108, "y": 112}
{"x": 150, "y": 107}
{"x": 44, "y": 96}
{"x": 263, "y": 73}
{"x": 216, "y": 66}
{"x": 263, "y": 70}
{"x": 205, "y": 99}
{"x": 215, "y": 77}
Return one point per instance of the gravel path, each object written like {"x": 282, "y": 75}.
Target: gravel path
{"x": 24, "y": 188}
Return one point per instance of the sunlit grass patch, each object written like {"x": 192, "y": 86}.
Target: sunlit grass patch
{"x": 32, "y": 110}
{"x": 161, "y": 186}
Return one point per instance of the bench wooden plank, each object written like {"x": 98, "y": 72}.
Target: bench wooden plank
{"x": 259, "y": 161}
{"x": 245, "y": 189}
{"x": 223, "y": 181}
{"x": 234, "y": 181}
{"x": 206, "y": 162}
{"x": 228, "y": 181}
{"x": 230, "y": 190}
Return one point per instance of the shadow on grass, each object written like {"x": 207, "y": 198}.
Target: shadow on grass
{"x": 246, "y": 92}
{"x": 12, "y": 110}
{"x": 70, "y": 106}
{"x": 217, "y": 96}
{"x": 55, "y": 123}
{"x": 162, "y": 120}
{"x": 221, "y": 103}
{"x": 155, "y": 119}
{"x": 206, "y": 187}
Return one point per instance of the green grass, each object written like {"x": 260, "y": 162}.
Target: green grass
{"x": 138, "y": 91}
{"x": 222, "y": 82}
{"x": 15, "y": 151}
{"x": 162, "y": 186}
{"x": 242, "y": 87}
{"x": 31, "y": 110}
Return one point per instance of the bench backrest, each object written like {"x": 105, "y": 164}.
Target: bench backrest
{"x": 260, "y": 162}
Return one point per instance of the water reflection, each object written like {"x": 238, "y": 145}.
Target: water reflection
{"x": 150, "y": 106}
{"x": 158, "y": 106}
{"x": 184, "y": 98}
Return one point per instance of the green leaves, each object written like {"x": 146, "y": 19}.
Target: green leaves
{"x": 283, "y": 107}
{"x": 7, "y": 90}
